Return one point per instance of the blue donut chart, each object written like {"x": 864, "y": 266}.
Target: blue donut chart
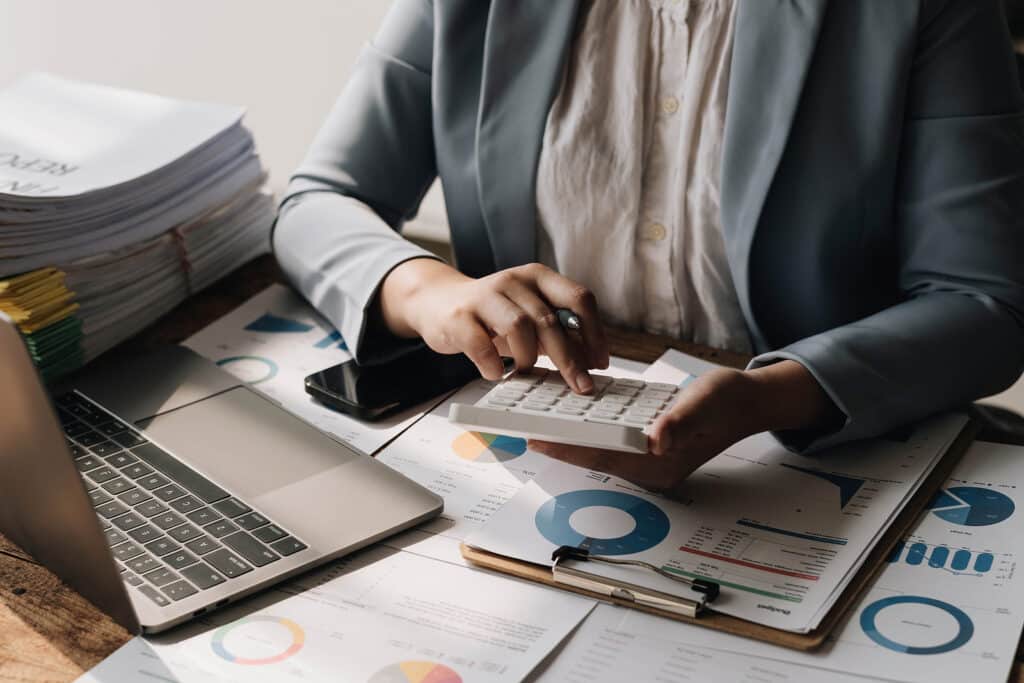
{"x": 870, "y": 614}
{"x": 271, "y": 365}
{"x": 553, "y": 521}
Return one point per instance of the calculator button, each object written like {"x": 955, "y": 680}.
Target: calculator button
{"x": 516, "y": 386}
{"x": 542, "y": 400}
{"x": 662, "y": 386}
{"x": 637, "y": 411}
{"x": 537, "y": 407}
{"x": 659, "y": 395}
{"x": 616, "y": 399}
{"x": 631, "y": 383}
{"x": 501, "y": 402}
{"x": 568, "y": 410}
{"x": 508, "y": 395}
{"x": 611, "y": 420}
{"x": 636, "y": 420}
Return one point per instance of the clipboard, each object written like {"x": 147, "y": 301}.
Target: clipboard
{"x": 864, "y": 577}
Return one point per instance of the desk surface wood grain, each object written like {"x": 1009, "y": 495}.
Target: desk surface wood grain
{"x": 50, "y": 633}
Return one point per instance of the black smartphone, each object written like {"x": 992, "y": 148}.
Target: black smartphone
{"x": 371, "y": 392}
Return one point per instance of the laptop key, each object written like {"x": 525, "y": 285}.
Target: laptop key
{"x": 76, "y": 450}
{"x": 137, "y": 470}
{"x": 250, "y": 549}
{"x": 227, "y": 563}
{"x": 89, "y": 462}
{"x": 162, "y": 546}
{"x": 186, "y": 504}
{"x": 153, "y": 481}
{"x": 203, "y": 516}
{"x": 102, "y": 474}
{"x": 251, "y": 520}
{"x": 114, "y": 537}
{"x": 179, "y": 590}
{"x": 104, "y": 524}
{"x": 151, "y": 508}
{"x": 184, "y": 475}
{"x": 128, "y": 521}
{"x": 131, "y": 579}
{"x": 118, "y": 485}
{"x": 88, "y": 438}
{"x": 221, "y": 528}
{"x": 232, "y": 507}
{"x": 127, "y": 439}
{"x": 169, "y": 492}
{"x": 168, "y": 520}
{"x": 202, "y": 545}
{"x": 99, "y": 497}
{"x": 180, "y": 559}
{"x": 112, "y": 427}
{"x": 160, "y": 577}
{"x": 145, "y": 534}
{"x": 288, "y": 546}
{"x": 143, "y": 564}
{"x": 121, "y": 459}
{"x": 133, "y": 496}
{"x": 151, "y": 593}
{"x": 105, "y": 448}
{"x": 185, "y": 532}
{"x": 111, "y": 509}
{"x": 127, "y": 551}
{"x": 270, "y": 533}
{"x": 73, "y": 428}
{"x": 201, "y": 575}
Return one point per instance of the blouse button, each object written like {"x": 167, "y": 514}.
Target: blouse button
{"x": 654, "y": 232}
{"x": 670, "y": 105}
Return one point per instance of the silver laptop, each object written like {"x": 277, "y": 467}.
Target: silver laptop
{"x": 161, "y": 487}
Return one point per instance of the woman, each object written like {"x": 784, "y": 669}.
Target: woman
{"x": 835, "y": 186}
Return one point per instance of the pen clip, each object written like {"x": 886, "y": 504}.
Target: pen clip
{"x": 677, "y": 604}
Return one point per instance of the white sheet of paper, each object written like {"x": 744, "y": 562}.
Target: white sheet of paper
{"x": 781, "y": 533}
{"x": 383, "y": 616}
{"x": 930, "y": 617}
{"x": 475, "y": 474}
{"x": 273, "y": 341}
{"x": 61, "y": 138}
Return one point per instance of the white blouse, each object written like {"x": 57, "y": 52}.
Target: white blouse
{"x": 629, "y": 171}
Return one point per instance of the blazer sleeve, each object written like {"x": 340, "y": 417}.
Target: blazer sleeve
{"x": 958, "y": 333}
{"x": 337, "y": 232}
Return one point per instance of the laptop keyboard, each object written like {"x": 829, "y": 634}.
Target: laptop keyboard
{"x": 173, "y": 531}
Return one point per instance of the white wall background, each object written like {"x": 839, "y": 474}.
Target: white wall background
{"x": 285, "y": 61}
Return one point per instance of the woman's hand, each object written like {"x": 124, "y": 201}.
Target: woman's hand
{"x": 510, "y": 313}
{"x": 714, "y": 412}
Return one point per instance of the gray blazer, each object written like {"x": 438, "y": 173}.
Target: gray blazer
{"x": 872, "y": 189}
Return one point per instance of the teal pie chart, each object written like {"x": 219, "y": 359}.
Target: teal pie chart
{"x": 869, "y": 624}
{"x": 972, "y": 506}
{"x": 554, "y": 521}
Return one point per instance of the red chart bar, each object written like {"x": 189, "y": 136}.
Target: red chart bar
{"x": 742, "y": 563}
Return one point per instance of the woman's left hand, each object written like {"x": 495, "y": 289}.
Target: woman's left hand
{"x": 718, "y": 409}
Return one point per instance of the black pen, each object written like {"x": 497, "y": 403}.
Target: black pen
{"x": 569, "y": 319}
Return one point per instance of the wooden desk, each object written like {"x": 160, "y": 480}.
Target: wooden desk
{"x": 50, "y": 633}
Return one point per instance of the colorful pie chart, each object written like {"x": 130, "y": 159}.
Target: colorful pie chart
{"x": 416, "y": 672}
{"x": 487, "y": 448}
{"x": 555, "y": 521}
{"x": 258, "y": 640}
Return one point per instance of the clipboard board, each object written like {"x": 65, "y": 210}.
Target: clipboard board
{"x": 864, "y": 577}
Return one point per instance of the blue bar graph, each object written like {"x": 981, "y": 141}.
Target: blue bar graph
{"x": 983, "y": 562}
{"x": 961, "y": 560}
{"x": 938, "y": 557}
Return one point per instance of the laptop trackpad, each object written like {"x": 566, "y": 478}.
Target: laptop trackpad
{"x": 245, "y": 443}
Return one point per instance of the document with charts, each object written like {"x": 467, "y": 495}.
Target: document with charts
{"x": 782, "y": 534}
{"x": 945, "y": 609}
{"x": 381, "y": 617}
{"x": 475, "y": 473}
{"x": 273, "y": 341}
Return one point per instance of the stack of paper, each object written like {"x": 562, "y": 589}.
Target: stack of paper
{"x": 115, "y": 206}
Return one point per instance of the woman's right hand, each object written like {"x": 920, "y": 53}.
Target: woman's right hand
{"x": 508, "y": 313}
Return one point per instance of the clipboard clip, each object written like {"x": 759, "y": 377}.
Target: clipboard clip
{"x": 577, "y": 578}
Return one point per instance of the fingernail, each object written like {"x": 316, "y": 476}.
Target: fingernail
{"x": 584, "y": 383}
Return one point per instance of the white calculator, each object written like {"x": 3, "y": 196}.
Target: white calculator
{"x": 537, "y": 404}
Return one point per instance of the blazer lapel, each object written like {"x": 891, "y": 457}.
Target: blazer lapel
{"x": 773, "y": 46}
{"x": 524, "y": 52}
